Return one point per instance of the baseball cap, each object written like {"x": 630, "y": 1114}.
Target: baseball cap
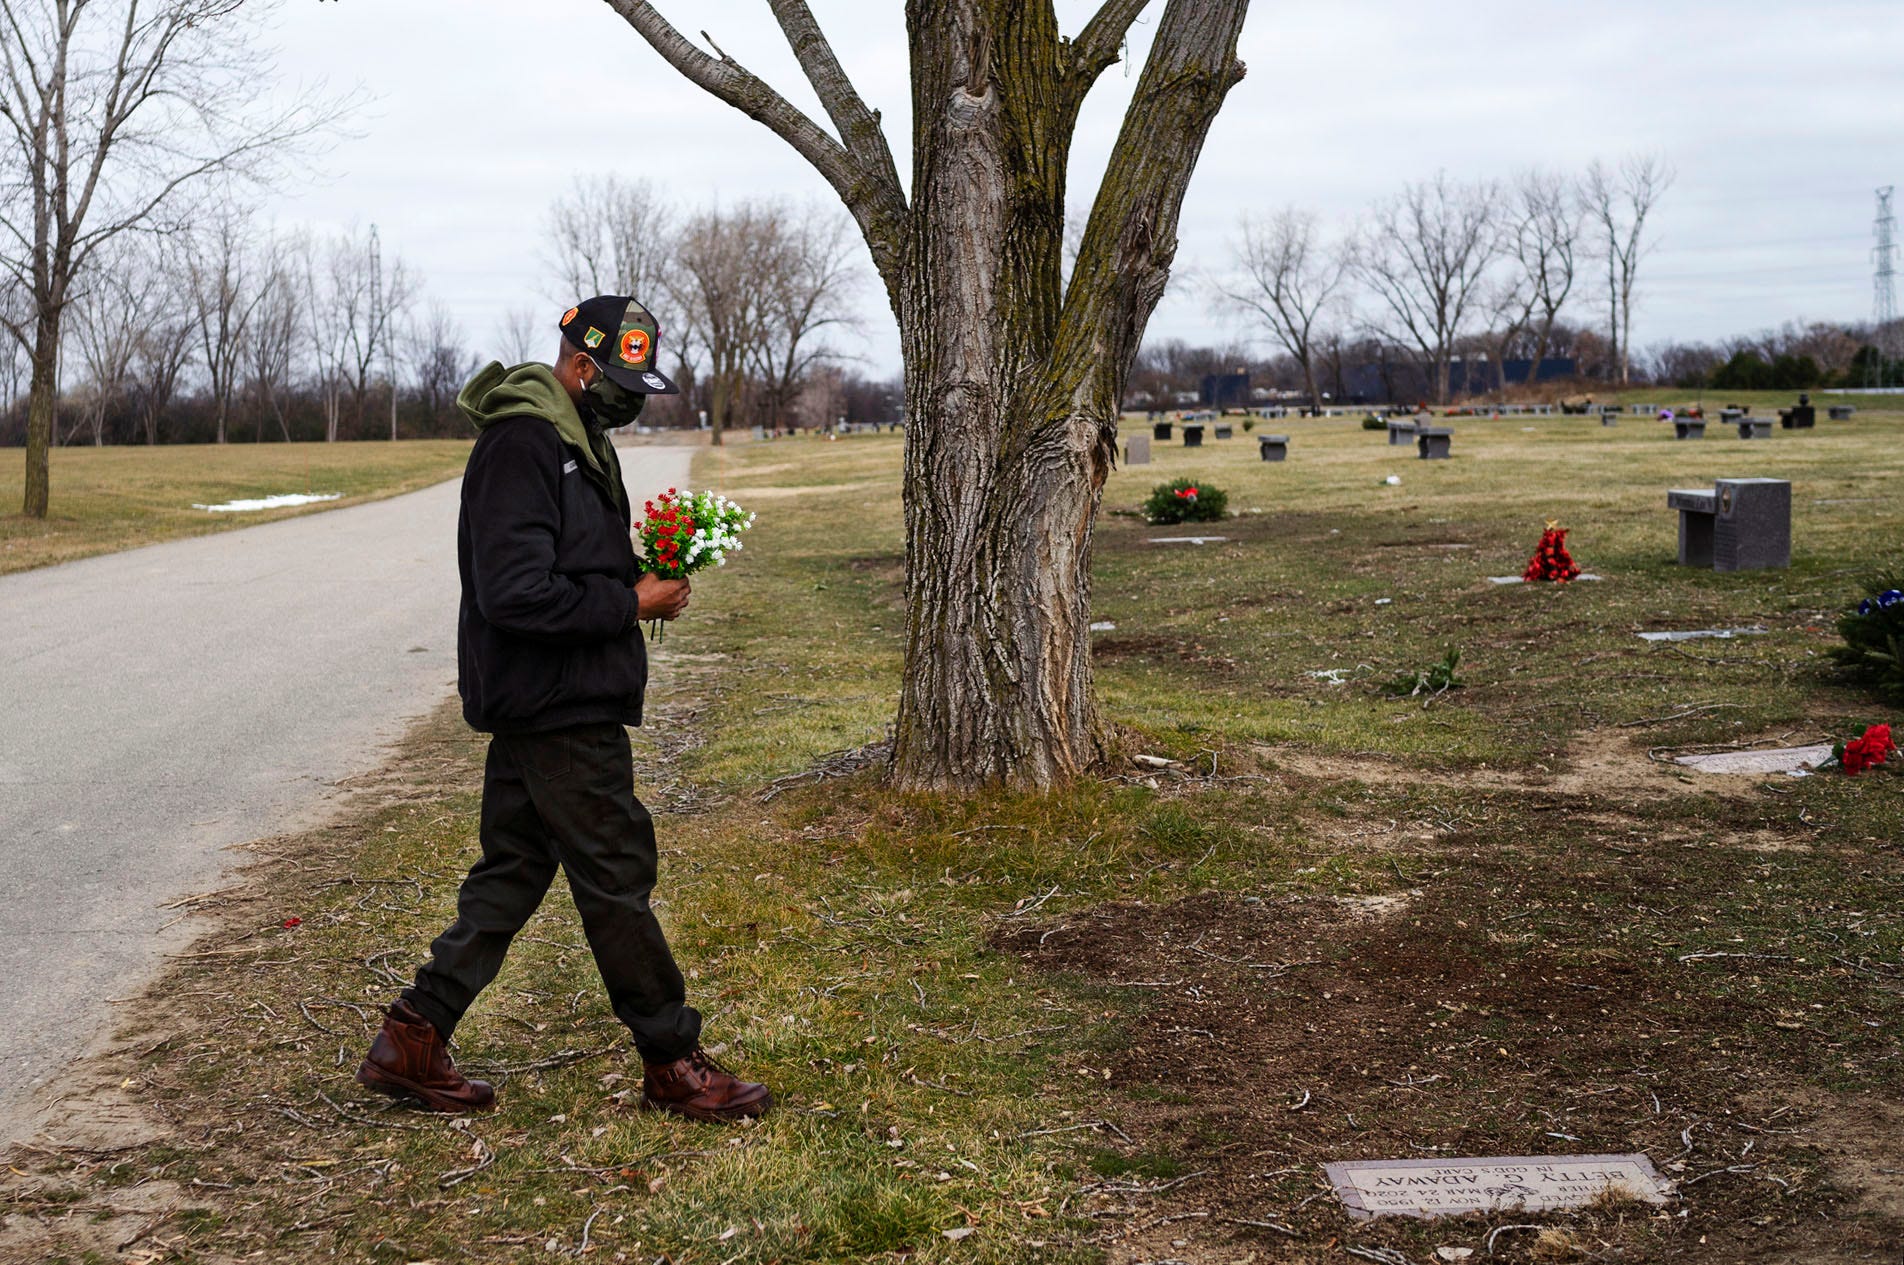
{"x": 625, "y": 340}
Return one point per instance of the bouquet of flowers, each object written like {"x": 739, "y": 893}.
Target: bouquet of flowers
{"x": 1551, "y": 561}
{"x": 1868, "y": 751}
{"x": 686, "y": 533}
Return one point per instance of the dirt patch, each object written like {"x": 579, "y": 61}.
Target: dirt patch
{"x": 1599, "y": 763}
{"x": 1139, "y": 648}
{"x": 1272, "y": 1035}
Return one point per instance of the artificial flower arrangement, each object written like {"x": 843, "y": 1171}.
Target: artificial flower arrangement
{"x": 1185, "y": 501}
{"x": 686, "y": 533}
{"x": 1874, "y": 638}
{"x": 1551, "y": 561}
{"x": 1870, "y": 750}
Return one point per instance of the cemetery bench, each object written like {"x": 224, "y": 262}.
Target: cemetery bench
{"x": 1160, "y": 431}
{"x": 1840, "y": 412}
{"x": 1689, "y": 428}
{"x": 1434, "y": 443}
{"x": 1274, "y": 447}
{"x": 1755, "y": 427}
{"x": 1400, "y": 431}
{"x": 1193, "y": 434}
{"x": 1728, "y": 416}
{"x": 1225, "y": 431}
{"x": 1740, "y": 525}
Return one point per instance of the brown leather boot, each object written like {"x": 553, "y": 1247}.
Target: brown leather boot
{"x": 701, "y": 1089}
{"x": 409, "y": 1060}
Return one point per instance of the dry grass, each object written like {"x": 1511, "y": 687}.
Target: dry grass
{"x": 107, "y": 499}
{"x": 1075, "y": 1025}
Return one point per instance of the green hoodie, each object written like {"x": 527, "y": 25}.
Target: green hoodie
{"x": 531, "y": 390}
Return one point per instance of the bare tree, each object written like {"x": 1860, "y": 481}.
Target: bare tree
{"x": 1619, "y": 203}
{"x": 1544, "y": 239}
{"x": 224, "y": 294}
{"x": 610, "y": 236}
{"x": 277, "y": 331}
{"x": 806, "y": 291}
{"x": 357, "y": 302}
{"x": 442, "y": 361}
{"x": 1287, "y": 280}
{"x": 1422, "y": 256}
{"x": 160, "y": 356}
{"x": 111, "y": 314}
{"x": 521, "y": 336}
{"x": 110, "y": 110}
{"x": 722, "y": 259}
{"x": 1014, "y": 371}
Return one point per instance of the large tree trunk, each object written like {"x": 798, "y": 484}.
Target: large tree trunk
{"x": 1012, "y": 376}
{"x": 1012, "y": 383}
{"x": 42, "y": 406}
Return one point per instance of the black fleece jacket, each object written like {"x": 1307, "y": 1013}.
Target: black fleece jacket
{"x": 548, "y": 634}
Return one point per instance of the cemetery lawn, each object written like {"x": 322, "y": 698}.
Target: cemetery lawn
{"x": 1129, "y": 1021}
{"x": 107, "y": 499}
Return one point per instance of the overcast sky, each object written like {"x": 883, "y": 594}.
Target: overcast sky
{"x": 1780, "y": 117}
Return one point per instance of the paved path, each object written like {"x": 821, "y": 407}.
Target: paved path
{"x": 160, "y": 705}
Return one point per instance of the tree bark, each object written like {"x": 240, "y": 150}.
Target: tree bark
{"x": 1012, "y": 377}
{"x": 42, "y": 403}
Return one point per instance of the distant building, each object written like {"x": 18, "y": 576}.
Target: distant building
{"x": 1474, "y": 377}
{"x": 1225, "y": 390}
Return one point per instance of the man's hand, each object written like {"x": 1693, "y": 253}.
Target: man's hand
{"x": 656, "y": 598}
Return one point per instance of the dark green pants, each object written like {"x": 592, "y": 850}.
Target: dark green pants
{"x": 564, "y": 799}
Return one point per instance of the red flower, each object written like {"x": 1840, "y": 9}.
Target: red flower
{"x": 1868, "y": 751}
{"x": 293, "y": 922}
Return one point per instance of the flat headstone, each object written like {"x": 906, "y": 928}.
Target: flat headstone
{"x": 1186, "y": 540}
{"x": 1797, "y": 760}
{"x": 1521, "y": 1183}
{"x": 1701, "y": 634}
{"x": 1515, "y": 579}
{"x": 1137, "y": 450}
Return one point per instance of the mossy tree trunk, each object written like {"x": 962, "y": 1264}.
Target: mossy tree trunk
{"x": 1013, "y": 375}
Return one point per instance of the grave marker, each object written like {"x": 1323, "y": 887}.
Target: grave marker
{"x": 1274, "y": 447}
{"x": 1137, "y": 450}
{"x": 1434, "y": 443}
{"x": 1193, "y": 435}
{"x": 1523, "y": 1183}
{"x": 1741, "y": 525}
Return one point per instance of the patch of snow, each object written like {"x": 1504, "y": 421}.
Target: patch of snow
{"x": 1393, "y": 480}
{"x": 1103, "y": 625}
{"x": 1697, "y": 634}
{"x": 270, "y": 502}
{"x": 1186, "y": 540}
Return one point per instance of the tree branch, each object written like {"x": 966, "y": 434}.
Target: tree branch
{"x": 879, "y": 210}
{"x": 858, "y": 126}
{"x": 1130, "y": 240}
{"x": 1100, "y": 45}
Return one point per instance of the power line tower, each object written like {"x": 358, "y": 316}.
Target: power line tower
{"x": 1884, "y": 292}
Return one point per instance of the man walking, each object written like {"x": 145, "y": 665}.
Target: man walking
{"x": 551, "y": 663}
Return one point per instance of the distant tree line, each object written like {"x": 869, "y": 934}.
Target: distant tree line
{"x": 233, "y": 330}
{"x": 1448, "y": 273}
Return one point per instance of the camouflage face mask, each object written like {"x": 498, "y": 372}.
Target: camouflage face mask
{"x": 613, "y": 405}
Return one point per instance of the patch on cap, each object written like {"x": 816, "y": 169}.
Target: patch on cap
{"x": 635, "y": 345}
{"x": 569, "y": 316}
{"x": 655, "y": 380}
{"x": 593, "y": 338}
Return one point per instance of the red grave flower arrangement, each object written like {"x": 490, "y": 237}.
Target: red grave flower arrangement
{"x": 1870, "y": 750}
{"x": 1551, "y": 561}
{"x": 684, "y": 533}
